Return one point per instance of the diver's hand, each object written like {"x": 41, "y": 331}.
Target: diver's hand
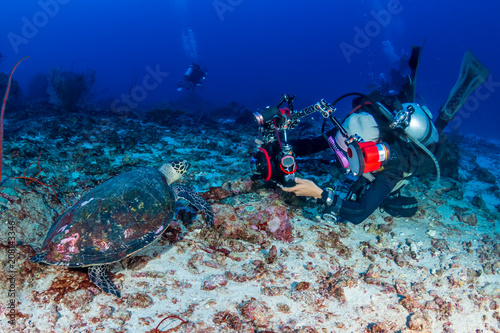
{"x": 304, "y": 188}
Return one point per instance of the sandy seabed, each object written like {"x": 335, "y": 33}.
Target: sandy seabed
{"x": 435, "y": 272}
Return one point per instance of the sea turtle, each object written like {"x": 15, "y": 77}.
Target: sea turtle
{"x": 116, "y": 219}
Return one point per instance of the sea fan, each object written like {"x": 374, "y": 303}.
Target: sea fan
{"x": 67, "y": 89}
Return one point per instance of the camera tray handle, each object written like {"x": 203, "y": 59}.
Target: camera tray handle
{"x": 288, "y": 99}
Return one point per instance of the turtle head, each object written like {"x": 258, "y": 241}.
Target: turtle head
{"x": 175, "y": 170}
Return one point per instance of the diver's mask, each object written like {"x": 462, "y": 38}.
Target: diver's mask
{"x": 338, "y": 153}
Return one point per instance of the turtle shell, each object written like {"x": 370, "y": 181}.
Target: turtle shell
{"x": 114, "y": 220}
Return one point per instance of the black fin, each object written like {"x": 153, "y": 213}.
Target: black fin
{"x": 415, "y": 59}
{"x": 416, "y": 52}
{"x": 472, "y": 75}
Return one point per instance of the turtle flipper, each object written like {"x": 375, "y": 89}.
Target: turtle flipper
{"x": 38, "y": 258}
{"x": 190, "y": 195}
{"x": 99, "y": 276}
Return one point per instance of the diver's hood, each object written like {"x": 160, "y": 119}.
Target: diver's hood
{"x": 363, "y": 124}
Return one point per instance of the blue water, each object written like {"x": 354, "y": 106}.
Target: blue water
{"x": 255, "y": 50}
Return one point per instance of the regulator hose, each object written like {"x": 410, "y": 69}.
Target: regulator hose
{"x": 438, "y": 171}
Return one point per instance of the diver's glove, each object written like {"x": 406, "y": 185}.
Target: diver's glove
{"x": 326, "y": 197}
{"x": 332, "y": 204}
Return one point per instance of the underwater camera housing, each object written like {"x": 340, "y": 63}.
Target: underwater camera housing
{"x": 274, "y": 164}
{"x": 274, "y": 161}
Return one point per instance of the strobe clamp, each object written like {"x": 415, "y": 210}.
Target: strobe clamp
{"x": 324, "y": 108}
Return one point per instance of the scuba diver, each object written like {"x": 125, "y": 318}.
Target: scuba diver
{"x": 403, "y": 141}
{"x": 192, "y": 78}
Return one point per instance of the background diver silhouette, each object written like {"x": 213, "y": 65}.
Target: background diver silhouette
{"x": 192, "y": 78}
